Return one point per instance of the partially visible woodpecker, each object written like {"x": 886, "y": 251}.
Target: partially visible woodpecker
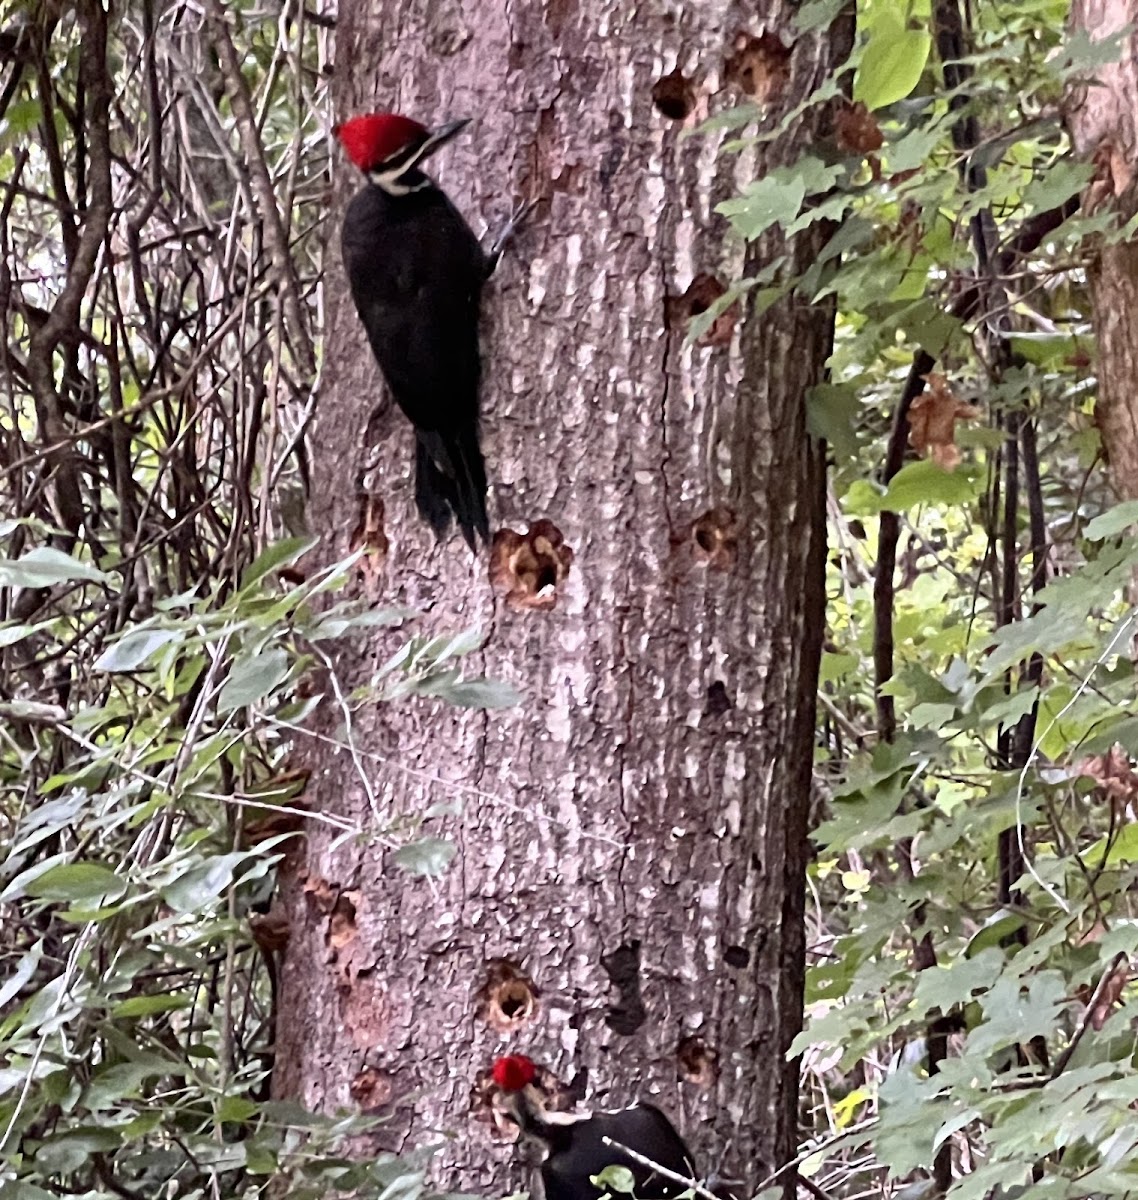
{"x": 416, "y": 271}
{"x": 576, "y": 1143}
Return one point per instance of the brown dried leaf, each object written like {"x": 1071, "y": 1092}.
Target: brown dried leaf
{"x": 856, "y": 129}
{"x": 1109, "y": 998}
{"x": 1112, "y": 773}
{"x": 932, "y": 422}
{"x": 270, "y": 930}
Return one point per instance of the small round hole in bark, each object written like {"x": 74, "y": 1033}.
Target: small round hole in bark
{"x": 529, "y": 568}
{"x": 370, "y": 1089}
{"x": 508, "y": 998}
{"x": 715, "y": 538}
{"x": 696, "y": 1061}
{"x": 737, "y": 957}
{"x": 674, "y": 95}
{"x": 718, "y": 702}
{"x": 703, "y": 291}
{"x": 758, "y": 66}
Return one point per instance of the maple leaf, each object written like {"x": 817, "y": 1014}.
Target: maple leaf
{"x": 932, "y": 422}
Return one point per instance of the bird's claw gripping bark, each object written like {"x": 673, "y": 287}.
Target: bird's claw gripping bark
{"x": 517, "y": 217}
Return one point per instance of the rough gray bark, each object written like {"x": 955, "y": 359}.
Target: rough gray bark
{"x": 633, "y": 837}
{"x": 1102, "y": 116}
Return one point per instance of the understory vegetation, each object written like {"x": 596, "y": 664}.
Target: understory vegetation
{"x": 164, "y": 175}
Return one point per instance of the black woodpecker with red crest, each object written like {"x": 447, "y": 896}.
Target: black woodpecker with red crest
{"x": 581, "y": 1145}
{"x": 416, "y": 271}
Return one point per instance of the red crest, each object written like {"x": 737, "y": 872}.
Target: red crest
{"x": 372, "y": 139}
{"x": 513, "y": 1072}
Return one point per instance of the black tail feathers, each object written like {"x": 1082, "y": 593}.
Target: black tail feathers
{"x": 450, "y": 479}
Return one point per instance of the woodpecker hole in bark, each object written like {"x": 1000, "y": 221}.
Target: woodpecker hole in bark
{"x": 715, "y": 538}
{"x": 703, "y": 291}
{"x": 529, "y": 568}
{"x": 718, "y": 702}
{"x": 320, "y": 893}
{"x": 342, "y": 921}
{"x": 758, "y": 66}
{"x": 697, "y": 1062}
{"x": 737, "y": 957}
{"x": 370, "y": 1089}
{"x": 370, "y": 537}
{"x": 674, "y": 95}
{"x": 622, "y": 966}
{"x": 508, "y": 998}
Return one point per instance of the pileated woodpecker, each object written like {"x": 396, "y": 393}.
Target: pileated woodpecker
{"x": 576, "y": 1142}
{"x": 416, "y": 271}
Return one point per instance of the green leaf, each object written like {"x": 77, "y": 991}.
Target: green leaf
{"x": 1051, "y": 629}
{"x": 428, "y": 856}
{"x": 259, "y": 1160}
{"x": 892, "y": 63}
{"x": 112, "y": 1084}
{"x": 340, "y": 620}
{"x": 236, "y": 1108}
{"x": 22, "y": 117}
{"x": 91, "y": 883}
{"x": 16, "y": 1189}
{"x": 134, "y": 648}
{"x": 11, "y": 634}
{"x": 198, "y": 887}
{"x": 272, "y": 558}
{"x": 252, "y": 678}
{"x": 481, "y": 693}
{"x": 1115, "y": 520}
{"x": 923, "y": 482}
{"x": 615, "y": 1178}
{"x": 71, "y": 1151}
{"x": 1015, "y": 1014}
{"x": 1057, "y": 184}
{"x": 145, "y": 1006}
{"x": 997, "y": 929}
{"x": 833, "y": 411}
{"x": 25, "y": 969}
{"x": 44, "y": 566}
{"x": 453, "y": 645}
{"x": 818, "y": 14}
{"x": 776, "y": 199}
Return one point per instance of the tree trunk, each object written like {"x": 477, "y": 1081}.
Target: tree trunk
{"x": 1102, "y": 115}
{"x": 632, "y": 838}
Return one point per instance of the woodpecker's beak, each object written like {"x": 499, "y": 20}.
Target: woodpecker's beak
{"x": 442, "y": 135}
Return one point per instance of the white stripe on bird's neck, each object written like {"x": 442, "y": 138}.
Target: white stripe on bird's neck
{"x": 395, "y": 183}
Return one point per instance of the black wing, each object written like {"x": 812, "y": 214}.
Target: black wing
{"x": 566, "y": 1172}
{"x": 416, "y": 272}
